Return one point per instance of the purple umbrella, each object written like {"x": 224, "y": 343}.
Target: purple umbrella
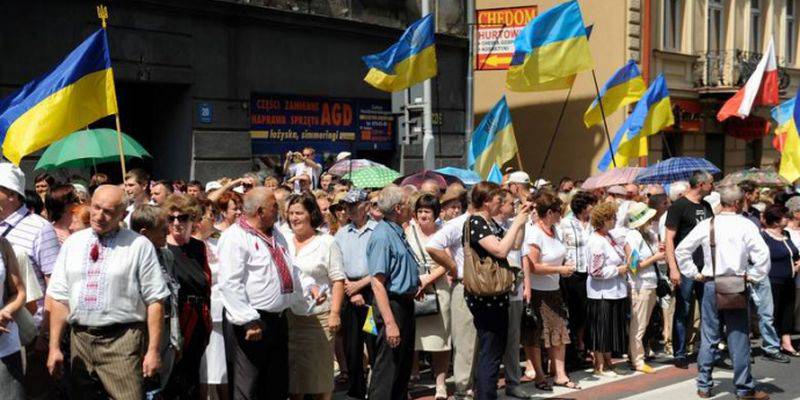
{"x": 344, "y": 167}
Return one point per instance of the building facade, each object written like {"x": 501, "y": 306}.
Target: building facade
{"x": 188, "y": 73}
{"x": 706, "y": 49}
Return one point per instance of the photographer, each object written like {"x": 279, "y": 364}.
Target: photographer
{"x": 302, "y": 163}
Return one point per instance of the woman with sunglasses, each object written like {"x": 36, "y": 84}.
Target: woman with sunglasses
{"x": 194, "y": 277}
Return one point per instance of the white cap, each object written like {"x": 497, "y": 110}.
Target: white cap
{"x": 213, "y": 185}
{"x": 343, "y": 155}
{"x": 12, "y": 178}
{"x": 540, "y": 183}
{"x": 519, "y": 177}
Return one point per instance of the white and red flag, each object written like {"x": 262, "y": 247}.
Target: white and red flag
{"x": 761, "y": 88}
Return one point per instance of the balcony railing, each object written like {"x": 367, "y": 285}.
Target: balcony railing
{"x": 730, "y": 68}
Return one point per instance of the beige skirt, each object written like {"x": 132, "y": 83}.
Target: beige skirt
{"x": 310, "y": 354}
{"x": 433, "y": 331}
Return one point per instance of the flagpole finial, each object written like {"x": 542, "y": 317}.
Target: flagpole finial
{"x": 102, "y": 13}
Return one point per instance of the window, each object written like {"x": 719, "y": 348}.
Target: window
{"x": 716, "y": 33}
{"x": 672, "y": 24}
{"x": 791, "y": 36}
{"x": 755, "y": 26}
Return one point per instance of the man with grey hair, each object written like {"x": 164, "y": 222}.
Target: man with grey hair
{"x": 108, "y": 285}
{"x": 739, "y": 251}
{"x": 257, "y": 284}
{"x": 682, "y": 216}
{"x": 395, "y": 281}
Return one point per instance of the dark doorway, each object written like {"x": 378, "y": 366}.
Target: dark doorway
{"x": 715, "y": 151}
{"x": 159, "y": 117}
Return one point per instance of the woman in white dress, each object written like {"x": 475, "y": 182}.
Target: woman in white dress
{"x": 314, "y": 319}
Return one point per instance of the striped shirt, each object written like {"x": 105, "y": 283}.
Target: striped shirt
{"x": 36, "y": 238}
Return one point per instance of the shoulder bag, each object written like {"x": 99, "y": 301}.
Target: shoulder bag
{"x": 662, "y": 285}
{"x": 731, "y": 291}
{"x": 484, "y": 276}
{"x": 428, "y": 304}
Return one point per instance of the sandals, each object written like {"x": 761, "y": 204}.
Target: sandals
{"x": 790, "y": 353}
{"x": 543, "y": 385}
{"x": 568, "y": 384}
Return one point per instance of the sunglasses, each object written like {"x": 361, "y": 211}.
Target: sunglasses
{"x": 179, "y": 218}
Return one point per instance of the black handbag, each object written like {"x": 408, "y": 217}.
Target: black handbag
{"x": 429, "y": 303}
{"x": 662, "y": 285}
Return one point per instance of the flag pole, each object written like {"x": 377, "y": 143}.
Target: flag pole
{"x": 603, "y": 114}
{"x": 102, "y": 13}
{"x": 555, "y": 132}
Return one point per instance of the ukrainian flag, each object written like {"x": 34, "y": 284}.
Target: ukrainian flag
{"x": 77, "y": 92}
{"x": 651, "y": 114}
{"x": 408, "y": 62}
{"x": 790, "y": 157}
{"x": 493, "y": 142}
{"x": 495, "y": 175}
{"x": 625, "y": 86}
{"x": 550, "y": 50}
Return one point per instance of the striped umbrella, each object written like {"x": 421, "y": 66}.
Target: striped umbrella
{"x": 615, "y": 176}
{"x": 675, "y": 169}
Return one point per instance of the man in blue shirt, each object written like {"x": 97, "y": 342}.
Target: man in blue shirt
{"x": 395, "y": 281}
{"x": 352, "y": 240}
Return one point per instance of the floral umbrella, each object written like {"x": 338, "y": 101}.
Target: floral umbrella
{"x": 372, "y": 177}
{"x": 760, "y": 176}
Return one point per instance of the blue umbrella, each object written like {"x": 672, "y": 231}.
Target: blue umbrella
{"x": 674, "y": 169}
{"x": 466, "y": 176}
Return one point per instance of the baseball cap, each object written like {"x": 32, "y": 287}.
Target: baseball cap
{"x": 355, "y": 196}
{"x": 519, "y": 177}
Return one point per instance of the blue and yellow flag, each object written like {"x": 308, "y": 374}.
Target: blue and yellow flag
{"x": 782, "y": 114}
{"x": 369, "y": 323}
{"x": 625, "y": 86}
{"x": 493, "y": 141}
{"x": 495, "y": 175}
{"x": 406, "y": 63}
{"x": 77, "y": 92}
{"x": 790, "y": 156}
{"x": 550, "y": 50}
{"x": 651, "y": 114}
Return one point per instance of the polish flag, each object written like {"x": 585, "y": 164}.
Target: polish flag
{"x": 761, "y": 88}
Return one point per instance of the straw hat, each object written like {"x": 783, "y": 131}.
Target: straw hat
{"x": 452, "y": 193}
{"x": 638, "y": 215}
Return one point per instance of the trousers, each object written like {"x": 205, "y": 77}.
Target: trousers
{"x": 391, "y": 369}
{"x": 258, "y": 370}
{"x": 355, "y": 339}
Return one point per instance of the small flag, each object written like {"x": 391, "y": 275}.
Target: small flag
{"x": 761, "y": 88}
{"x": 651, "y": 114}
{"x": 493, "y": 142}
{"x": 550, "y": 51}
{"x": 624, "y": 87}
{"x": 634, "y": 266}
{"x": 406, "y": 63}
{"x": 369, "y": 323}
{"x": 77, "y": 92}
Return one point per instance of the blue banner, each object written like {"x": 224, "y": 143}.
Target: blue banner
{"x": 280, "y": 123}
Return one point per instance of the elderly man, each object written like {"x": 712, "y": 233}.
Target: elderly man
{"x": 107, "y": 283}
{"x": 682, "y": 216}
{"x": 257, "y": 284}
{"x": 395, "y": 281}
{"x": 739, "y": 251}
{"x": 33, "y": 236}
{"x": 352, "y": 239}
{"x": 519, "y": 184}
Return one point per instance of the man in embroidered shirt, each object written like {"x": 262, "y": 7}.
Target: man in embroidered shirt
{"x": 740, "y": 250}
{"x": 353, "y": 239}
{"x": 107, "y": 283}
{"x": 257, "y": 283}
{"x": 34, "y": 236}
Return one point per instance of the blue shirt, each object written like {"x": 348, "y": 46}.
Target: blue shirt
{"x": 353, "y": 243}
{"x": 389, "y": 254}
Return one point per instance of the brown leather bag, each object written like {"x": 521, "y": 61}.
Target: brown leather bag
{"x": 484, "y": 276}
{"x": 731, "y": 291}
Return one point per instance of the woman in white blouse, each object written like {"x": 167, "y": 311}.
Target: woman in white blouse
{"x": 314, "y": 319}
{"x": 607, "y": 290}
{"x": 12, "y": 291}
{"x": 644, "y": 247}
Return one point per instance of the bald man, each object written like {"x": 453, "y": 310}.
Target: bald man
{"x": 257, "y": 284}
{"x": 107, "y": 284}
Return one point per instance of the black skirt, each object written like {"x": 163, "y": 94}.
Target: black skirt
{"x": 607, "y": 328}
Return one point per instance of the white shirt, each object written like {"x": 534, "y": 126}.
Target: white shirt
{"x": 645, "y": 278}
{"x": 9, "y": 342}
{"x": 515, "y": 260}
{"x": 794, "y": 234}
{"x": 575, "y": 235}
{"x": 551, "y": 251}
{"x": 622, "y": 213}
{"x": 213, "y": 264}
{"x": 249, "y": 279}
{"x": 604, "y": 281}
{"x": 320, "y": 262}
{"x": 449, "y": 237}
{"x": 114, "y": 288}
{"x": 740, "y": 248}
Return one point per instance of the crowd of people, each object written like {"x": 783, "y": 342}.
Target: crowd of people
{"x": 265, "y": 287}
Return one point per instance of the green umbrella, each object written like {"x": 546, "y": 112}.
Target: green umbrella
{"x": 83, "y": 149}
{"x": 372, "y": 177}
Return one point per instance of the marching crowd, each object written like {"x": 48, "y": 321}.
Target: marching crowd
{"x": 264, "y": 287}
